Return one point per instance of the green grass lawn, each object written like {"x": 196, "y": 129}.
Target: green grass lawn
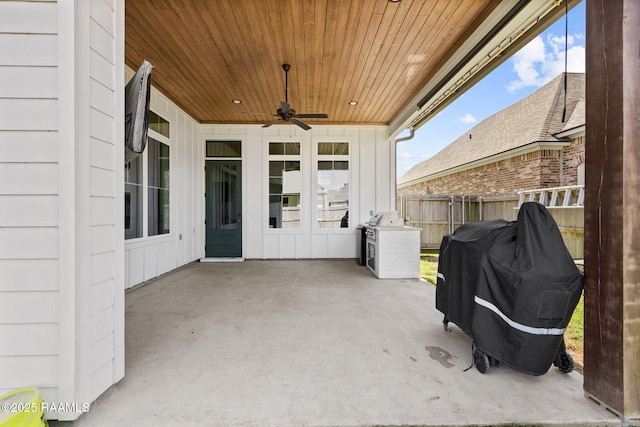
{"x": 429, "y": 265}
{"x": 574, "y": 335}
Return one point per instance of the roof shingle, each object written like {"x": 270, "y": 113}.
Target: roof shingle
{"x": 535, "y": 118}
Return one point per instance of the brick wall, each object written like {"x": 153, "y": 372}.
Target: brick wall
{"x": 538, "y": 169}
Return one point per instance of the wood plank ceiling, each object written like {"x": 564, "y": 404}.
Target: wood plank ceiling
{"x": 206, "y": 53}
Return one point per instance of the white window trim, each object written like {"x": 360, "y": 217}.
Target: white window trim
{"x": 145, "y": 182}
{"x": 145, "y": 191}
{"x": 314, "y": 182}
{"x": 303, "y": 197}
{"x": 218, "y": 139}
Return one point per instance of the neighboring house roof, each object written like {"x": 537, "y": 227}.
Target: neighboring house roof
{"x": 576, "y": 122}
{"x": 536, "y": 118}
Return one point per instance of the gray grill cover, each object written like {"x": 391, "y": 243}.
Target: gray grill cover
{"x": 136, "y": 112}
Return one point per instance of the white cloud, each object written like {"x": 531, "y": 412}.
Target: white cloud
{"x": 524, "y": 64}
{"x": 405, "y": 155}
{"x": 540, "y": 60}
{"x": 467, "y": 118}
{"x": 405, "y": 161}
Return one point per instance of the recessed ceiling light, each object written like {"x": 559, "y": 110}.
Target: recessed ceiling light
{"x": 353, "y": 103}
{"x": 394, "y": 1}
{"x": 236, "y": 101}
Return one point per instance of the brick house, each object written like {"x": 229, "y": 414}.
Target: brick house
{"x": 525, "y": 146}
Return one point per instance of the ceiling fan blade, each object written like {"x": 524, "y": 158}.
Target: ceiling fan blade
{"x": 313, "y": 116}
{"x": 272, "y": 122}
{"x": 301, "y": 124}
{"x": 284, "y": 106}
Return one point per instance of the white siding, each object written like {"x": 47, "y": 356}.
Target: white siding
{"x": 28, "y": 146}
{"x": 44, "y": 339}
{"x": 36, "y": 369}
{"x": 29, "y": 171}
{"x": 105, "y": 158}
{"x": 25, "y": 17}
{"x": 40, "y": 50}
{"x": 28, "y": 274}
{"x": 61, "y": 243}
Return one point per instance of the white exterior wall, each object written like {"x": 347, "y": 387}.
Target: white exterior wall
{"x": 372, "y": 171}
{"x": 372, "y": 189}
{"x": 29, "y": 189}
{"x": 148, "y": 257}
{"x": 61, "y": 192}
{"x": 64, "y": 263}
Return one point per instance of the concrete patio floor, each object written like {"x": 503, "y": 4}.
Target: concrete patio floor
{"x": 314, "y": 343}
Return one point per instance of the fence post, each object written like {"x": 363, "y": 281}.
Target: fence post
{"x": 462, "y": 204}
{"x": 451, "y": 214}
{"x": 420, "y": 212}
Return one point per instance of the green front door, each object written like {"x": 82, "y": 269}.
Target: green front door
{"x": 223, "y": 208}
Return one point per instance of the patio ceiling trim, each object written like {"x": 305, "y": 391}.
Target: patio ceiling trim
{"x": 510, "y": 27}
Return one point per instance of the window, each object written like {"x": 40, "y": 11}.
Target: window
{"x": 333, "y": 185}
{"x": 154, "y": 164}
{"x": 224, "y": 149}
{"x": 158, "y": 124}
{"x": 133, "y": 198}
{"x": 158, "y": 187}
{"x": 285, "y": 184}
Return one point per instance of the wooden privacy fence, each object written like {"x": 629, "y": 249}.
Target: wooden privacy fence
{"x": 441, "y": 215}
{"x": 566, "y": 205}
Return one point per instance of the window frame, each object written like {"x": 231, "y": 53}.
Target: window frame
{"x": 137, "y": 206}
{"x": 316, "y": 158}
{"x": 300, "y": 158}
{"x": 149, "y": 187}
{"x": 144, "y": 211}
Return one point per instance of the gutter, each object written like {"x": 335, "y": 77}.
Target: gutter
{"x": 406, "y": 138}
{"x": 395, "y": 172}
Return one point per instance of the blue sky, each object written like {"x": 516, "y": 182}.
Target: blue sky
{"x": 532, "y": 67}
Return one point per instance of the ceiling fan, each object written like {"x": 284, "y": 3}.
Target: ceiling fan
{"x": 287, "y": 114}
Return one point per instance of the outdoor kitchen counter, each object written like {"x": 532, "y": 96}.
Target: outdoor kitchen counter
{"x": 393, "y": 252}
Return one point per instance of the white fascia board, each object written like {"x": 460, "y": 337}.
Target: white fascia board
{"x": 525, "y": 149}
{"x": 573, "y": 133}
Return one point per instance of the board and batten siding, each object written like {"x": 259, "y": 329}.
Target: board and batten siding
{"x": 150, "y": 256}
{"x": 61, "y": 188}
{"x": 371, "y": 165}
